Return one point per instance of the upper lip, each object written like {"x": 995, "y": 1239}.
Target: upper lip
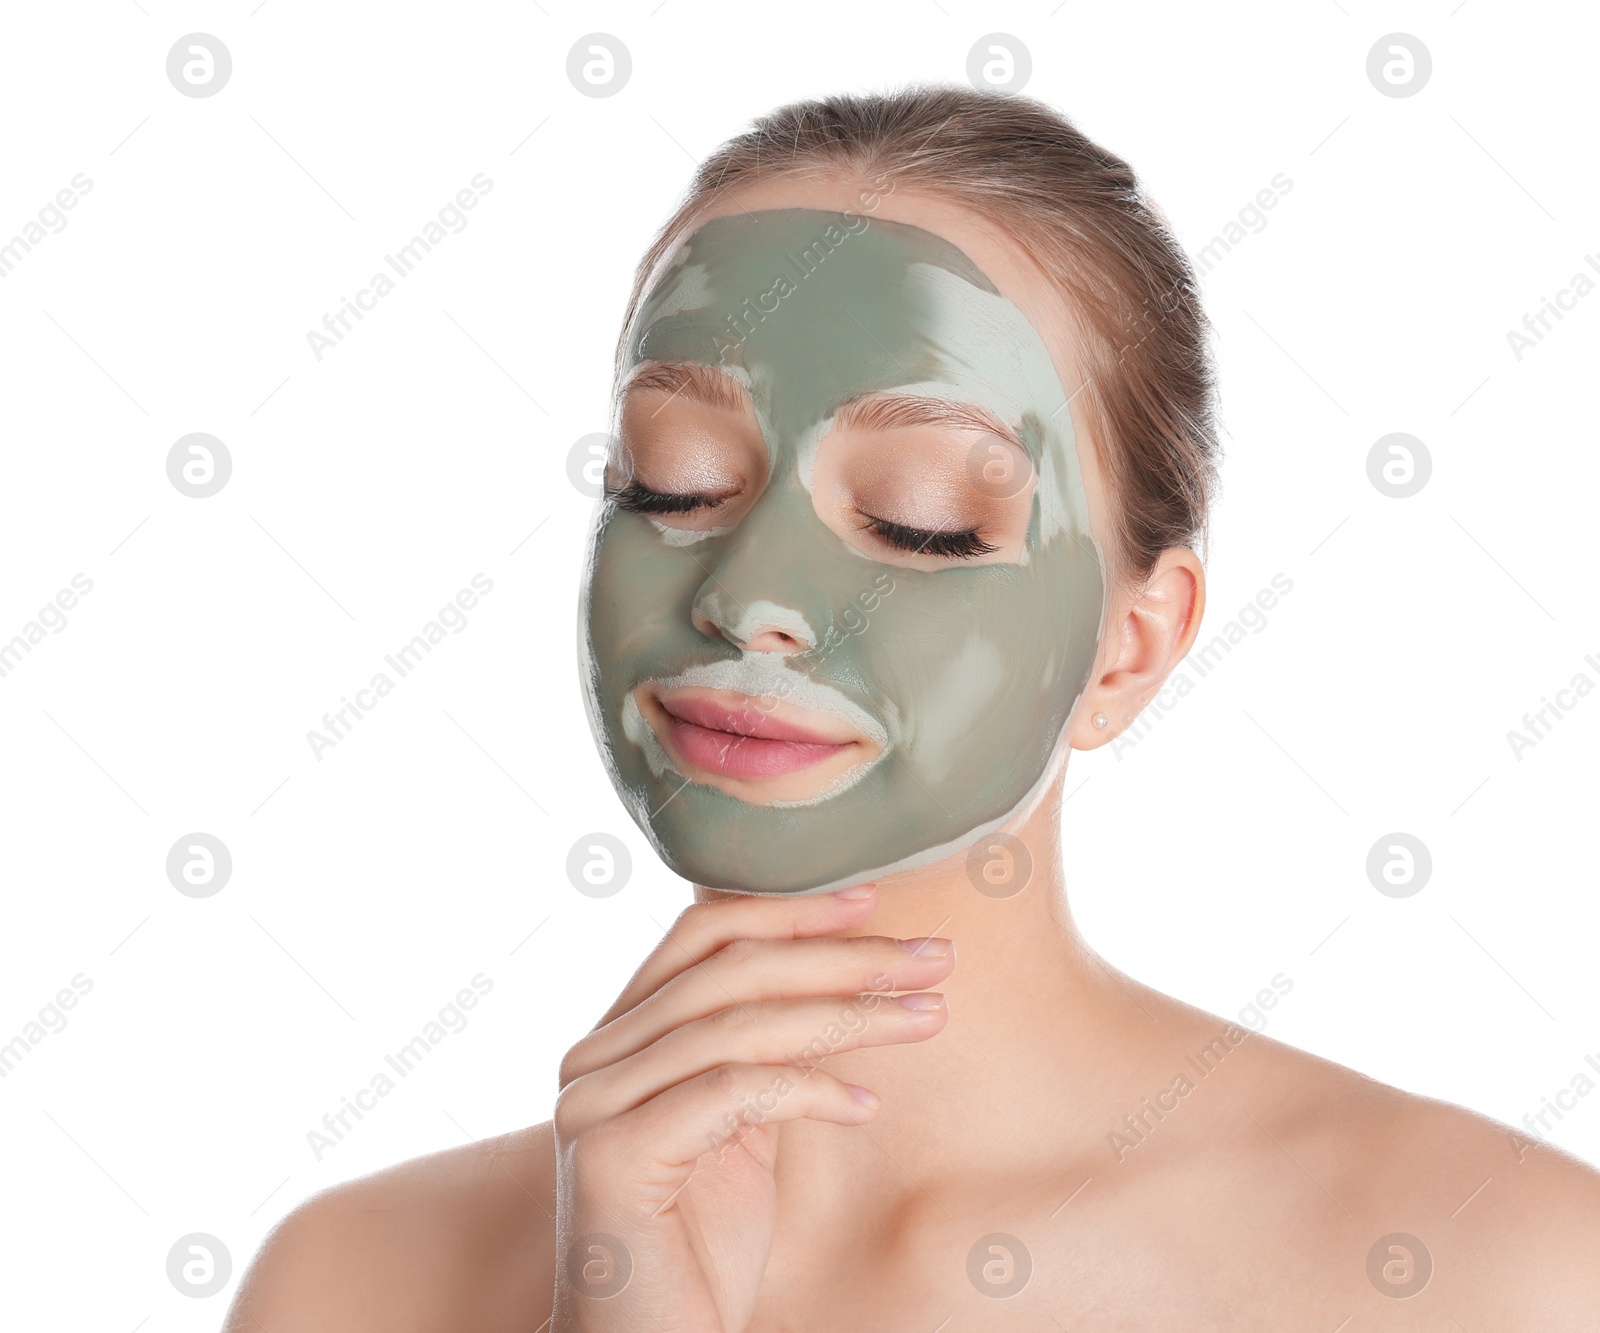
{"x": 773, "y": 720}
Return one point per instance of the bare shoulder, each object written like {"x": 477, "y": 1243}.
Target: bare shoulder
{"x": 458, "y": 1239}
{"x": 1506, "y": 1228}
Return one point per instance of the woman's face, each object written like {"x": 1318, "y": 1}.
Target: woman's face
{"x": 842, "y": 596}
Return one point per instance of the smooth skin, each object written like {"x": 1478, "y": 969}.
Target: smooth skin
{"x": 1253, "y": 1206}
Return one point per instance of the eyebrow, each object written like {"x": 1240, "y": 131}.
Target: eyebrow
{"x": 888, "y": 410}
{"x": 697, "y": 382}
{"x": 692, "y": 381}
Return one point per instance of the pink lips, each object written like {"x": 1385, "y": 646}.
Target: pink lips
{"x": 743, "y": 742}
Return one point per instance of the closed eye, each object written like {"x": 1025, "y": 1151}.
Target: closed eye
{"x": 962, "y": 545}
{"x": 642, "y": 500}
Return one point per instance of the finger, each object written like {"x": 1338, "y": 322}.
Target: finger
{"x": 747, "y": 971}
{"x": 768, "y": 1032}
{"x": 703, "y": 928}
{"x": 657, "y": 1143}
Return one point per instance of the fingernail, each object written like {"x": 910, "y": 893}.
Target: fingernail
{"x": 929, "y": 946}
{"x": 921, "y": 1000}
{"x": 856, "y": 891}
{"x": 866, "y": 1096}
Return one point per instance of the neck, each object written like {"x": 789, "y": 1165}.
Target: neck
{"x": 1043, "y": 1039}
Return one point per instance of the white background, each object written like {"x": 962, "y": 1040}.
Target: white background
{"x": 368, "y": 487}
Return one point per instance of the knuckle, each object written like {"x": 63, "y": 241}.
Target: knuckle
{"x": 569, "y": 1117}
{"x": 876, "y": 980}
{"x": 736, "y": 1016}
{"x": 694, "y": 921}
{"x": 741, "y": 950}
{"x": 574, "y": 1065}
{"x": 724, "y": 1080}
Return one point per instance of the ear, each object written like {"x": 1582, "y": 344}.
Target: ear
{"x": 1148, "y": 631}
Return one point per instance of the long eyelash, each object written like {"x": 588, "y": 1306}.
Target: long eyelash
{"x": 641, "y": 500}
{"x": 955, "y": 545}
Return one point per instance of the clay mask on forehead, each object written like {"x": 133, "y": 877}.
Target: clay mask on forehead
{"x": 956, "y": 678}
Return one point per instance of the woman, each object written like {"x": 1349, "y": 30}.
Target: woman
{"x": 914, "y": 446}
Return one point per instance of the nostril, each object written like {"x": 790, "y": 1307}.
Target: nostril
{"x": 772, "y": 641}
{"x": 706, "y": 626}
{"x": 752, "y": 626}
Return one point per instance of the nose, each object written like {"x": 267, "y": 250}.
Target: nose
{"x": 759, "y": 626}
{"x": 761, "y": 591}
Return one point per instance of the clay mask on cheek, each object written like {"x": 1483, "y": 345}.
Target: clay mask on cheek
{"x": 956, "y": 680}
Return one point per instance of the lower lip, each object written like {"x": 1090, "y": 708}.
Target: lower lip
{"x": 744, "y": 756}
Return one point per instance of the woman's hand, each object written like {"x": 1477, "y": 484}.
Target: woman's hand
{"x": 667, "y": 1120}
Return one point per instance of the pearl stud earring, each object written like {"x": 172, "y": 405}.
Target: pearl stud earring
{"x": 1101, "y": 720}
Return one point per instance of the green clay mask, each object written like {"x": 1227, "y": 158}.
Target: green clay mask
{"x": 789, "y": 693}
